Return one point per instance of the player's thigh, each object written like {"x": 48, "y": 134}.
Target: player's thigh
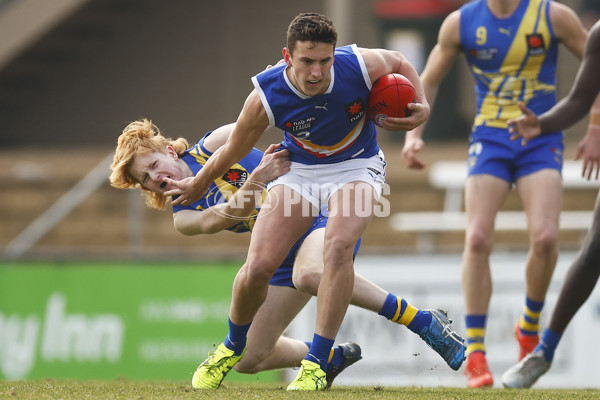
{"x": 279, "y": 309}
{"x": 484, "y": 195}
{"x": 309, "y": 259}
{"x": 541, "y": 195}
{"x": 279, "y": 224}
{"x": 350, "y": 210}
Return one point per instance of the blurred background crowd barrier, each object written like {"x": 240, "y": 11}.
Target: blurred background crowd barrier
{"x": 73, "y": 73}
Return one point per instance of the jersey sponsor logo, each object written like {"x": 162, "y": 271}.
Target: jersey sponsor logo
{"x": 535, "y": 45}
{"x": 235, "y": 177}
{"x": 300, "y": 128}
{"x": 355, "y": 110}
{"x": 484, "y": 54}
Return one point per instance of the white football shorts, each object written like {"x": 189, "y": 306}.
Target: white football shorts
{"x": 318, "y": 182}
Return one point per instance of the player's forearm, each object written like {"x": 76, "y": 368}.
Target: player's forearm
{"x": 221, "y": 216}
{"x": 572, "y": 108}
{"x": 247, "y": 199}
{"x": 430, "y": 94}
{"x": 411, "y": 74}
{"x": 564, "y": 114}
{"x": 584, "y": 93}
{"x": 218, "y": 164}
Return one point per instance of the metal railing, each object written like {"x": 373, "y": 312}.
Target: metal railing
{"x": 67, "y": 203}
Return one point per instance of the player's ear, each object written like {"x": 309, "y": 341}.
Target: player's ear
{"x": 172, "y": 153}
{"x": 287, "y": 56}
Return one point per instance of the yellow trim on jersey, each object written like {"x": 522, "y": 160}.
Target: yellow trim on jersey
{"x": 227, "y": 189}
{"x": 505, "y": 87}
{"x": 341, "y": 145}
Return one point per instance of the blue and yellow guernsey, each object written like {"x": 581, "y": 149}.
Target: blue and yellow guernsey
{"x": 513, "y": 59}
{"x": 327, "y": 128}
{"x": 223, "y": 188}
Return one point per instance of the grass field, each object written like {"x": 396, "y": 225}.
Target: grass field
{"x": 120, "y": 389}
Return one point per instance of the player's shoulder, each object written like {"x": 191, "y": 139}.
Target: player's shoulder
{"x": 449, "y": 33}
{"x": 452, "y": 21}
{"x": 350, "y": 50}
{"x": 565, "y": 22}
{"x": 561, "y": 14}
{"x": 272, "y": 72}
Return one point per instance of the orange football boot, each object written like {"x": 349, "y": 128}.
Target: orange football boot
{"x": 526, "y": 342}
{"x": 477, "y": 371}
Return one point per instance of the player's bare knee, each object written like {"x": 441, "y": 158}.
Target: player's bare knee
{"x": 259, "y": 270}
{"x": 545, "y": 242}
{"x": 338, "y": 250}
{"x": 307, "y": 281}
{"x": 477, "y": 241}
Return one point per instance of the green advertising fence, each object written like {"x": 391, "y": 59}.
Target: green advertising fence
{"x": 136, "y": 322}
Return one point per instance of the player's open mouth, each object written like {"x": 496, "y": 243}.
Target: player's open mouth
{"x": 163, "y": 185}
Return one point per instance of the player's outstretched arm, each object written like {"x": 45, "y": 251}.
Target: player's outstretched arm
{"x": 583, "y": 93}
{"x": 239, "y": 207}
{"x": 250, "y": 125}
{"x": 438, "y": 63}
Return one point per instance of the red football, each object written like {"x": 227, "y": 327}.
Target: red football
{"x": 389, "y": 96}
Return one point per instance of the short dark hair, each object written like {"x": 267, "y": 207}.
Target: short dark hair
{"x": 311, "y": 27}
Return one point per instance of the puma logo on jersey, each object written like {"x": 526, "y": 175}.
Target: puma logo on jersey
{"x": 504, "y": 31}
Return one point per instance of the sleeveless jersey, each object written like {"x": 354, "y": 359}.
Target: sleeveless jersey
{"x": 512, "y": 59}
{"x": 327, "y": 128}
{"x": 223, "y": 188}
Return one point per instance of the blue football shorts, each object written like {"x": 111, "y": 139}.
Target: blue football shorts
{"x": 492, "y": 152}
{"x": 283, "y": 275}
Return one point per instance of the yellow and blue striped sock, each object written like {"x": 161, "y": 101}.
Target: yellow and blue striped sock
{"x": 529, "y": 322}
{"x": 475, "y": 333}
{"x": 401, "y": 312}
